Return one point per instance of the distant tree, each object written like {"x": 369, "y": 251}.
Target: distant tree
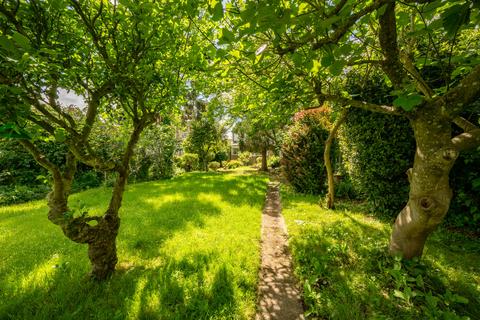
{"x": 204, "y": 140}
{"x": 118, "y": 55}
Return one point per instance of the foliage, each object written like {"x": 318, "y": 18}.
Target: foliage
{"x": 86, "y": 180}
{"x": 233, "y": 164}
{"x": 214, "y": 165}
{"x": 465, "y": 179}
{"x": 344, "y": 188}
{"x": 273, "y": 161}
{"x": 302, "y": 148}
{"x": 204, "y": 139}
{"x": 377, "y": 150}
{"x": 340, "y": 259}
{"x": 11, "y": 194}
{"x": 245, "y": 158}
{"x": 189, "y": 243}
{"x": 188, "y": 162}
{"x": 153, "y": 158}
{"x": 220, "y": 157}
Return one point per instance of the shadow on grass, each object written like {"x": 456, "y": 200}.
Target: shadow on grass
{"x": 164, "y": 292}
{"x": 199, "y": 286}
{"x": 347, "y": 273}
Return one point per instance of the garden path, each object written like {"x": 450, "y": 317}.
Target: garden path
{"x": 278, "y": 291}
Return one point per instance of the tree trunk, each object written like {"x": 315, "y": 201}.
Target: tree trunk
{"x": 430, "y": 193}
{"x": 102, "y": 249}
{"x": 264, "y": 160}
{"x": 328, "y": 163}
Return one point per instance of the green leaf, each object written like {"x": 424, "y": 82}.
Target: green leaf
{"x": 227, "y": 36}
{"x": 60, "y": 135}
{"x": 399, "y": 294}
{"x": 216, "y": 10}
{"x": 327, "y": 60}
{"x": 408, "y": 102}
{"x": 336, "y": 68}
{"x": 12, "y": 131}
{"x": 21, "y": 40}
{"x": 454, "y": 17}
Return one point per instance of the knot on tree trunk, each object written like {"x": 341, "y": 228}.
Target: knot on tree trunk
{"x": 450, "y": 154}
{"x": 426, "y": 203}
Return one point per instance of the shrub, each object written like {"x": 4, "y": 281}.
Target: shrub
{"x": 273, "y": 161}
{"x": 85, "y": 180}
{"x": 214, "y": 165}
{"x": 220, "y": 157}
{"x": 465, "y": 180}
{"x": 188, "y": 161}
{"x": 302, "y": 151}
{"x": 377, "y": 150}
{"x": 154, "y": 154}
{"x": 232, "y": 164}
{"x": 21, "y": 193}
{"x": 245, "y": 158}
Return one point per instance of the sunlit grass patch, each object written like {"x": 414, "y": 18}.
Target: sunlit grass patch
{"x": 188, "y": 249}
{"x": 341, "y": 259}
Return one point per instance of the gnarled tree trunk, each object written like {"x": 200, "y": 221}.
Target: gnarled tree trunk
{"x": 430, "y": 193}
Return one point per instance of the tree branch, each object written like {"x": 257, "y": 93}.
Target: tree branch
{"x": 470, "y": 138}
{"x": 339, "y": 32}
{"x": 466, "y": 92}
{"x": 388, "y": 42}
{"x": 365, "y": 105}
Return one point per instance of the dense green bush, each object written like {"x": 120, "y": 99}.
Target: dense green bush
{"x": 377, "y": 150}
{"x": 86, "y": 180}
{"x": 302, "y": 151}
{"x": 465, "y": 180}
{"x": 273, "y": 162}
{"x": 10, "y": 194}
{"x": 154, "y": 154}
{"x": 245, "y": 158}
{"x": 220, "y": 157}
{"x": 214, "y": 165}
{"x": 188, "y": 162}
{"x": 232, "y": 164}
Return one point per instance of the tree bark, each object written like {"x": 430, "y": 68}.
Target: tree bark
{"x": 264, "y": 160}
{"x": 328, "y": 163}
{"x": 430, "y": 193}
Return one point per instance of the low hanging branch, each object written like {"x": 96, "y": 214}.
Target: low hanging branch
{"x": 326, "y": 157}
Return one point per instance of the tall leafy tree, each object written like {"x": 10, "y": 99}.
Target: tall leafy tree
{"x": 126, "y": 58}
{"x": 315, "y": 44}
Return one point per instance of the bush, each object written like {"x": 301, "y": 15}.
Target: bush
{"x": 85, "y": 180}
{"x": 232, "y": 164}
{"x": 154, "y": 154}
{"x": 214, "y": 165}
{"x": 377, "y": 150}
{"x": 245, "y": 158}
{"x": 188, "y": 162}
{"x": 302, "y": 151}
{"x": 220, "y": 157}
{"x": 465, "y": 181}
{"x": 21, "y": 193}
{"x": 273, "y": 161}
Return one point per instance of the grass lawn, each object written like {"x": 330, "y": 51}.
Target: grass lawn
{"x": 188, "y": 249}
{"x": 340, "y": 257}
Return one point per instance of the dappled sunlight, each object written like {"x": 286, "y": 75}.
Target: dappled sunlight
{"x": 23, "y": 208}
{"x": 157, "y": 202}
{"x": 40, "y": 276}
{"x": 136, "y": 303}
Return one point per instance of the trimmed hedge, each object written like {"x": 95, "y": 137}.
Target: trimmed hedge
{"x": 377, "y": 150}
{"x": 302, "y": 151}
